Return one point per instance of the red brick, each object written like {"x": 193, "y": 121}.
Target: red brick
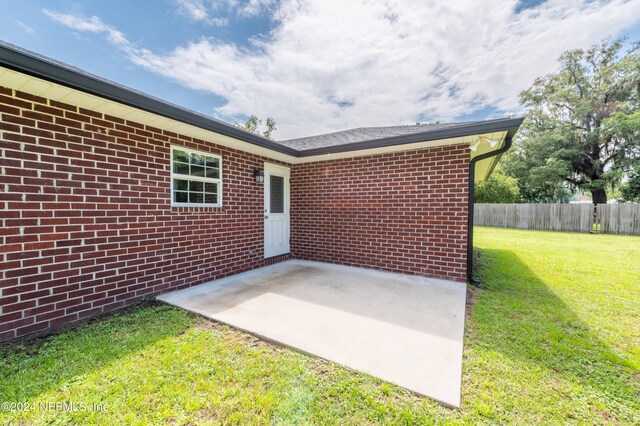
{"x": 32, "y": 328}
{"x": 30, "y": 97}
{"x": 18, "y": 120}
{"x": 6, "y": 100}
{"x": 9, "y": 334}
{"x": 62, "y": 105}
{"x": 18, "y": 307}
{"x": 9, "y": 109}
{"x": 63, "y": 320}
{"x": 107, "y": 235}
{"x": 5, "y": 248}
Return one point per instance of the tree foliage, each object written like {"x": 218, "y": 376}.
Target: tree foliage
{"x": 499, "y": 188}
{"x": 630, "y": 190}
{"x": 582, "y": 129}
{"x": 532, "y": 185}
{"x": 254, "y": 125}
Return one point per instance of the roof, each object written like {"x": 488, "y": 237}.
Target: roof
{"x": 26, "y": 62}
{"x": 362, "y": 134}
{"x": 377, "y": 137}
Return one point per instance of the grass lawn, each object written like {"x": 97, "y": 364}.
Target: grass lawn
{"x": 553, "y": 337}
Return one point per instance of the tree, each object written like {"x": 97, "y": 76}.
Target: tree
{"x": 532, "y": 184}
{"x": 630, "y": 190}
{"x": 583, "y": 124}
{"x": 499, "y": 188}
{"x": 253, "y": 125}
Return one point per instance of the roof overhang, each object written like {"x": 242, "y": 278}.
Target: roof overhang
{"x": 37, "y": 75}
{"x": 484, "y": 145}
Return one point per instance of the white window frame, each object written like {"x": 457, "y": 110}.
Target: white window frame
{"x": 195, "y": 178}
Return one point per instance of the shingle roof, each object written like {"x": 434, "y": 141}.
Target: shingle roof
{"x": 363, "y": 134}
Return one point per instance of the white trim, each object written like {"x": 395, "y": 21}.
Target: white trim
{"x": 173, "y": 176}
{"x": 283, "y": 169}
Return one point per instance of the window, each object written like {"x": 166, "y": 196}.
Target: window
{"x": 196, "y": 178}
{"x": 276, "y": 194}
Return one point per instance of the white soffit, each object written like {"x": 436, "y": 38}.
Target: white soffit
{"x": 485, "y": 167}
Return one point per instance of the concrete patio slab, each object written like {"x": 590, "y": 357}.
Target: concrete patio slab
{"x": 404, "y": 329}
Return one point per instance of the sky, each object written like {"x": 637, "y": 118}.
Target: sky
{"x": 318, "y": 66}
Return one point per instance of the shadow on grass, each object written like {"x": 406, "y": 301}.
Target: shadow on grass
{"x": 519, "y": 316}
{"x": 33, "y": 368}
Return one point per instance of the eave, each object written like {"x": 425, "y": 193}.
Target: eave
{"x": 37, "y": 75}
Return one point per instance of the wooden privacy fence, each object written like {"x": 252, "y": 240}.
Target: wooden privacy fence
{"x": 611, "y": 218}
{"x": 619, "y": 218}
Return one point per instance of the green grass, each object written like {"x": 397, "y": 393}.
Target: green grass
{"x": 553, "y": 337}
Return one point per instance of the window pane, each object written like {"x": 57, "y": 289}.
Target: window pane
{"x": 180, "y": 185}
{"x": 197, "y": 159}
{"x": 197, "y": 171}
{"x": 276, "y": 194}
{"x": 181, "y": 168}
{"x": 210, "y": 198}
{"x": 210, "y": 187}
{"x": 213, "y": 173}
{"x": 196, "y": 197}
{"x": 181, "y": 197}
{"x": 196, "y": 186}
{"x": 180, "y": 156}
{"x": 213, "y": 162}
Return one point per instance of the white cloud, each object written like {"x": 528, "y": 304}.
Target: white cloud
{"x": 94, "y": 25}
{"x": 194, "y": 9}
{"x": 253, "y": 7}
{"x": 198, "y": 11}
{"x": 330, "y": 65}
{"x": 26, "y": 28}
{"x": 209, "y": 11}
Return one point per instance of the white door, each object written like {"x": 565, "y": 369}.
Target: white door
{"x": 276, "y": 210}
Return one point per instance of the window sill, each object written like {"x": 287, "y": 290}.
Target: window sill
{"x": 198, "y": 206}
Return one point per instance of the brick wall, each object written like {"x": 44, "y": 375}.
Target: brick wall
{"x": 87, "y": 225}
{"x": 404, "y": 212}
{"x": 86, "y": 220}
